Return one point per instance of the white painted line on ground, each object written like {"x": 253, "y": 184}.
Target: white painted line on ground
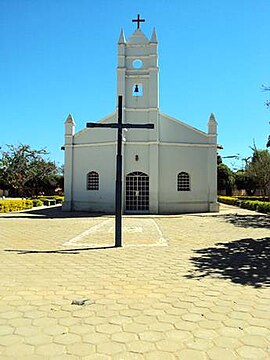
{"x": 81, "y": 236}
{"x": 77, "y": 240}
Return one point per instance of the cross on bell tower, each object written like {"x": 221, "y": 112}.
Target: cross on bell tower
{"x": 138, "y": 21}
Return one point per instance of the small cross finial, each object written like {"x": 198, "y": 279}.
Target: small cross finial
{"x": 138, "y": 21}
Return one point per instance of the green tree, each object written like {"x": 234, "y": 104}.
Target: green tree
{"x": 225, "y": 179}
{"x": 21, "y": 165}
{"x": 243, "y": 181}
{"x": 267, "y": 104}
{"x": 258, "y": 169}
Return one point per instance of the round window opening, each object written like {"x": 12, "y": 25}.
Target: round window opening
{"x": 137, "y": 64}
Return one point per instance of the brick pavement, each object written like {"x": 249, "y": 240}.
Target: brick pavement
{"x": 182, "y": 287}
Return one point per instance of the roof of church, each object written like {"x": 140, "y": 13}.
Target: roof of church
{"x": 138, "y": 37}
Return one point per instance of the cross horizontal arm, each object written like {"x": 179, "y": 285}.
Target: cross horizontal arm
{"x": 138, "y": 126}
{"x": 110, "y": 125}
{"x": 123, "y": 126}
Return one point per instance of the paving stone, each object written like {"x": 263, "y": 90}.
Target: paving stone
{"x": 205, "y": 333}
{"x": 38, "y": 339}
{"x": 140, "y": 346}
{"x": 124, "y": 337}
{"x": 66, "y": 339}
{"x": 6, "y": 330}
{"x": 155, "y": 355}
{"x": 8, "y": 340}
{"x": 120, "y": 320}
{"x": 135, "y": 327}
{"x": 151, "y": 336}
{"x": 192, "y": 317}
{"x": 221, "y": 353}
{"x": 55, "y": 330}
{"x": 249, "y": 352}
{"x": 256, "y": 330}
{"x": 95, "y": 338}
{"x": 81, "y": 329}
{"x": 169, "y": 345}
{"x": 11, "y": 315}
{"x": 191, "y": 354}
{"x": 230, "y": 331}
{"x": 110, "y": 348}
{"x": 18, "y": 350}
{"x": 178, "y": 335}
{"x": 108, "y": 328}
{"x": 50, "y": 349}
{"x": 65, "y": 357}
{"x": 198, "y": 344}
{"x": 97, "y": 357}
{"x": 255, "y": 340}
{"x": 186, "y": 325}
{"x": 128, "y": 356}
{"x": 81, "y": 349}
{"x": 227, "y": 342}
{"x": 26, "y": 330}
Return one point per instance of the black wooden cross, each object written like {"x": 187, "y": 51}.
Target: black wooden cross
{"x": 138, "y": 21}
{"x": 118, "y": 184}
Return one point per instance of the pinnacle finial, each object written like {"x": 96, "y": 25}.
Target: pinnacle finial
{"x": 121, "y": 39}
{"x": 154, "y": 37}
{"x": 70, "y": 120}
{"x": 212, "y": 124}
{"x": 212, "y": 117}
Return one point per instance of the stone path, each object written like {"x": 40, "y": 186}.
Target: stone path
{"x": 182, "y": 287}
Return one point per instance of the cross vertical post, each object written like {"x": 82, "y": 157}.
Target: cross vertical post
{"x": 118, "y": 183}
{"x": 138, "y": 21}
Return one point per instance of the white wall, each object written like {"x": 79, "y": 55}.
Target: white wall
{"x": 102, "y": 160}
{"x": 175, "y": 159}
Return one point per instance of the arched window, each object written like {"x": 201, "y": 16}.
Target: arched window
{"x": 92, "y": 180}
{"x": 183, "y": 181}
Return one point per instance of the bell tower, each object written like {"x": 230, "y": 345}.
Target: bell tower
{"x": 137, "y": 77}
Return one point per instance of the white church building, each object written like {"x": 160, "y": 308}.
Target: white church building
{"x": 168, "y": 170}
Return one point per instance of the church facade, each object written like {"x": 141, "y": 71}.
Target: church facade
{"x": 166, "y": 170}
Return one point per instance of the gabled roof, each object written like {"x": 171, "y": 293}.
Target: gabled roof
{"x": 138, "y": 37}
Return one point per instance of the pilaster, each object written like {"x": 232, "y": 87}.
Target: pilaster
{"x": 153, "y": 177}
{"x": 68, "y": 172}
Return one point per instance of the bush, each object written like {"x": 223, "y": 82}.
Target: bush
{"x": 253, "y": 198}
{"x": 229, "y": 200}
{"x": 37, "y": 202}
{"x": 250, "y": 205}
{"x": 256, "y": 205}
{"x": 263, "y": 207}
{"x": 15, "y": 205}
{"x": 57, "y": 198}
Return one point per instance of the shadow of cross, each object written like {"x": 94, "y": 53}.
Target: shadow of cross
{"x": 118, "y": 184}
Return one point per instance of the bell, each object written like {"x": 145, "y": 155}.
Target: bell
{"x": 136, "y": 90}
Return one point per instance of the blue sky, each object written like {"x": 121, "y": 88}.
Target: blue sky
{"x": 59, "y": 57}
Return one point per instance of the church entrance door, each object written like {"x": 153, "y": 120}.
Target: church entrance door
{"x": 137, "y": 192}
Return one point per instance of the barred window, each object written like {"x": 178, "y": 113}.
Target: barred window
{"x": 183, "y": 181}
{"x": 92, "y": 180}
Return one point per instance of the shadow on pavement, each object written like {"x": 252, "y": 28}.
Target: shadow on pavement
{"x": 244, "y": 262}
{"x": 255, "y": 221}
{"x": 60, "y": 251}
{"x": 52, "y": 212}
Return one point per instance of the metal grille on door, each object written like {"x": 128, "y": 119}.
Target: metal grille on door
{"x": 137, "y": 192}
